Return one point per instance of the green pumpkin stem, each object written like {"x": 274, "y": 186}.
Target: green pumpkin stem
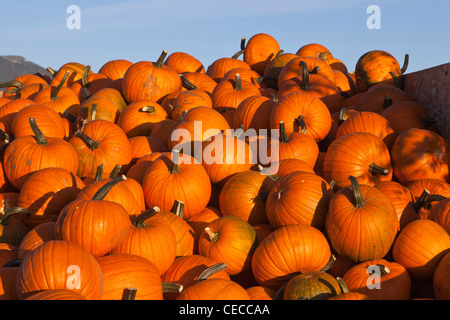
{"x": 5, "y": 137}
{"x": 103, "y": 191}
{"x": 213, "y": 236}
{"x": 84, "y": 77}
{"x": 178, "y": 208}
{"x": 376, "y": 169}
{"x": 405, "y": 64}
{"x": 9, "y": 212}
{"x": 115, "y": 172}
{"x": 175, "y": 168}
{"x": 342, "y": 115}
{"x": 283, "y": 134}
{"x": 397, "y": 81}
{"x": 99, "y": 172}
{"x": 52, "y": 71}
{"x": 329, "y": 264}
{"x": 210, "y": 271}
{"x": 359, "y": 200}
{"x": 343, "y": 285}
{"x": 90, "y": 143}
{"x": 55, "y": 92}
{"x": 160, "y": 61}
{"x": 37, "y": 132}
{"x": 13, "y": 83}
{"x": 238, "y": 82}
{"x": 149, "y": 109}
{"x": 140, "y": 220}
{"x": 186, "y": 83}
{"x": 129, "y": 294}
{"x": 305, "y": 85}
{"x": 13, "y": 263}
{"x": 427, "y": 122}
{"x": 69, "y": 116}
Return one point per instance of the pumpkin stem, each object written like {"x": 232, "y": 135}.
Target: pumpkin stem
{"x": 9, "y": 212}
{"x": 129, "y": 294}
{"x": 93, "y": 111}
{"x": 186, "y": 83}
{"x": 342, "y": 284}
{"x": 417, "y": 205}
{"x": 115, "y": 172}
{"x": 405, "y": 64}
{"x": 13, "y": 83}
{"x": 329, "y": 264}
{"x": 54, "y": 95}
{"x": 376, "y": 169}
{"x": 37, "y": 132}
{"x": 52, "y": 71}
{"x": 183, "y": 114}
{"x": 279, "y": 53}
{"x": 301, "y": 123}
{"x": 238, "y": 82}
{"x": 384, "y": 269}
{"x": 175, "y": 168}
{"x": 359, "y": 200}
{"x": 427, "y": 122}
{"x": 178, "y": 208}
{"x": 103, "y": 191}
{"x": 149, "y": 109}
{"x": 159, "y": 62}
{"x": 84, "y": 77}
{"x": 140, "y": 220}
{"x": 342, "y": 115}
{"x": 396, "y": 79}
{"x": 69, "y": 116}
{"x": 99, "y": 172}
{"x": 283, "y": 134}
{"x": 387, "y": 102}
{"x": 240, "y": 52}
{"x": 171, "y": 287}
{"x": 213, "y": 236}
{"x": 345, "y": 94}
{"x": 91, "y": 143}
{"x": 305, "y": 77}
{"x": 211, "y": 270}
{"x": 5, "y": 137}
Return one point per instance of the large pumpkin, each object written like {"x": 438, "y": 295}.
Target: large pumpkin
{"x": 275, "y": 260}
{"x": 59, "y": 264}
{"x": 361, "y": 223}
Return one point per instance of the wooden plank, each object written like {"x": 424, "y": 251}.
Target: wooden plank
{"x": 431, "y": 88}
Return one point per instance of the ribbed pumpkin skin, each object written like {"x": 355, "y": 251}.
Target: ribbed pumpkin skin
{"x": 261, "y": 48}
{"x": 351, "y": 155}
{"x": 59, "y": 264}
{"x": 191, "y": 185}
{"x": 420, "y": 246}
{"x": 441, "y": 287}
{"x": 312, "y": 285}
{"x": 261, "y": 293}
{"x": 373, "y": 100}
{"x": 114, "y": 148}
{"x": 419, "y": 154}
{"x": 155, "y": 241}
{"x": 96, "y": 225}
{"x": 56, "y": 294}
{"x": 115, "y": 69}
{"x": 234, "y": 243}
{"x": 221, "y": 66}
{"x": 299, "y": 197}
{"x": 254, "y": 113}
{"x": 314, "y": 50}
{"x": 46, "y": 193}
{"x": 364, "y": 233}
{"x": 435, "y": 187}
{"x": 440, "y": 213}
{"x": 185, "y": 271}
{"x": 316, "y": 115}
{"x": 287, "y": 251}
{"x": 122, "y": 271}
{"x": 183, "y": 62}
{"x": 144, "y": 81}
{"x": 214, "y": 289}
{"x": 43, "y": 232}
{"x": 394, "y": 284}
{"x": 39, "y": 157}
{"x": 373, "y": 67}
{"x": 244, "y": 195}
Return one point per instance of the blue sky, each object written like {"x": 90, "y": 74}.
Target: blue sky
{"x": 210, "y": 29}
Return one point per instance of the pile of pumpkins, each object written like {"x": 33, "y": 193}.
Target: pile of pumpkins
{"x": 102, "y": 199}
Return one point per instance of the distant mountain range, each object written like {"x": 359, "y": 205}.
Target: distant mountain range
{"x": 13, "y": 66}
